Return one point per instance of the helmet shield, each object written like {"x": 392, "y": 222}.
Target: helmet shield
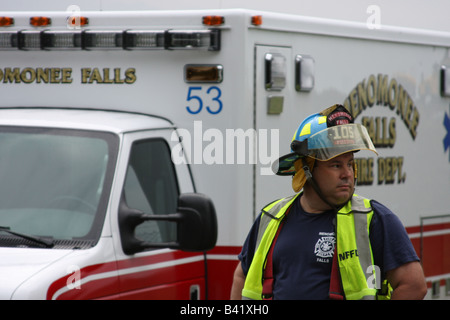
{"x": 337, "y": 140}
{"x": 327, "y": 144}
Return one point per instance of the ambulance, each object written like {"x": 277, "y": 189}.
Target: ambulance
{"x": 136, "y": 147}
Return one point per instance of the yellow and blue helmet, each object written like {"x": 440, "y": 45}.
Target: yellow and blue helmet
{"x": 323, "y": 136}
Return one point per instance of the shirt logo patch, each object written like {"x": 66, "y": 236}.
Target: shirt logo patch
{"x": 324, "y": 247}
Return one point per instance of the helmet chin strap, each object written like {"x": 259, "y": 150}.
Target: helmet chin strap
{"x": 313, "y": 183}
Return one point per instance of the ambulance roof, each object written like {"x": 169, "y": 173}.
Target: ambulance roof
{"x": 191, "y": 19}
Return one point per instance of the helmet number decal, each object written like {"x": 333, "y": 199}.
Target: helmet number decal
{"x": 343, "y": 135}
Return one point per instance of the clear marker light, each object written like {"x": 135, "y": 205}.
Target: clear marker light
{"x": 195, "y": 73}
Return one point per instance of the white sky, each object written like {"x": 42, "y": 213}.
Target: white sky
{"x": 427, "y": 14}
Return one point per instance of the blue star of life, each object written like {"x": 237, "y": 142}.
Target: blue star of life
{"x": 447, "y": 137}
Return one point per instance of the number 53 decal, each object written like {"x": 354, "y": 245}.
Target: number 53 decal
{"x": 195, "y": 98}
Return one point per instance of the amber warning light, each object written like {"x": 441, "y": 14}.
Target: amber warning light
{"x": 6, "y": 21}
{"x": 213, "y": 20}
{"x": 77, "y": 21}
{"x": 40, "y": 21}
{"x": 257, "y": 20}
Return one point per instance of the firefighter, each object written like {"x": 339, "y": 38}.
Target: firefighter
{"x": 325, "y": 241}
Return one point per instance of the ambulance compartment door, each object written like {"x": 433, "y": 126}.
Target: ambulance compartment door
{"x": 273, "y": 106}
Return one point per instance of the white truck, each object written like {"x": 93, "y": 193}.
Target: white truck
{"x": 117, "y": 128}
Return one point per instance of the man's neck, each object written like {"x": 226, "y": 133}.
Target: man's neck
{"x": 312, "y": 203}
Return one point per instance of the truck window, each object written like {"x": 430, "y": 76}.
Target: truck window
{"x": 151, "y": 186}
{"x": 55, "y": 183}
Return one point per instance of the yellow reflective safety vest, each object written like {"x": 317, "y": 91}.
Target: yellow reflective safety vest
{"x": 356, "y": 267}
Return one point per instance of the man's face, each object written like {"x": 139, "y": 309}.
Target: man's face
{"x": 336, "y": 178}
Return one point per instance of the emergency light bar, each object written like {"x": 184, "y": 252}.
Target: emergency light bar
{"x": 111, "y": 40}
{"x": 141, "y": 39}
{"x": 62, "y": 40}
{"x": 102, "y": 40}
{"x": 29, "y": 39}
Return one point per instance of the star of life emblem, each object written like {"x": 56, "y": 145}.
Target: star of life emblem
{"x": 324, "y": 247}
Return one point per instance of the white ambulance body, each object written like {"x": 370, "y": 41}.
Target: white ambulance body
{"x": 107, "y": 118}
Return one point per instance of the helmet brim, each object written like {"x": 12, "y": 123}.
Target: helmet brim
{"x": 284, "y": 166}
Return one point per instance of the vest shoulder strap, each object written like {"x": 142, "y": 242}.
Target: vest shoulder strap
{"x": 357, "y": 204}
{"x": 270, "y": 212}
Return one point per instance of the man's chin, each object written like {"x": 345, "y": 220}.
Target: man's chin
{"x": 342, "y": 200}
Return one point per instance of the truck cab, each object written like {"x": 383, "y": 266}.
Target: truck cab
{"x": 91, "y": 203}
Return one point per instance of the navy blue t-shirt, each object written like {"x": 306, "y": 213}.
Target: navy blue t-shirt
{"x": 304, "y": 250}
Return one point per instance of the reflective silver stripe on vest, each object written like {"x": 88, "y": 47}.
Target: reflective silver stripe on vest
{"x": 362, "y": 241}
{"x": 269, "y": 215}
{"x": 358, "y": 205}
{"x": 360, "y": 212}
{"x": 361, "y": 231}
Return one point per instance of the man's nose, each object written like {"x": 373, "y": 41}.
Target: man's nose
{"x": 347, "y": 171}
